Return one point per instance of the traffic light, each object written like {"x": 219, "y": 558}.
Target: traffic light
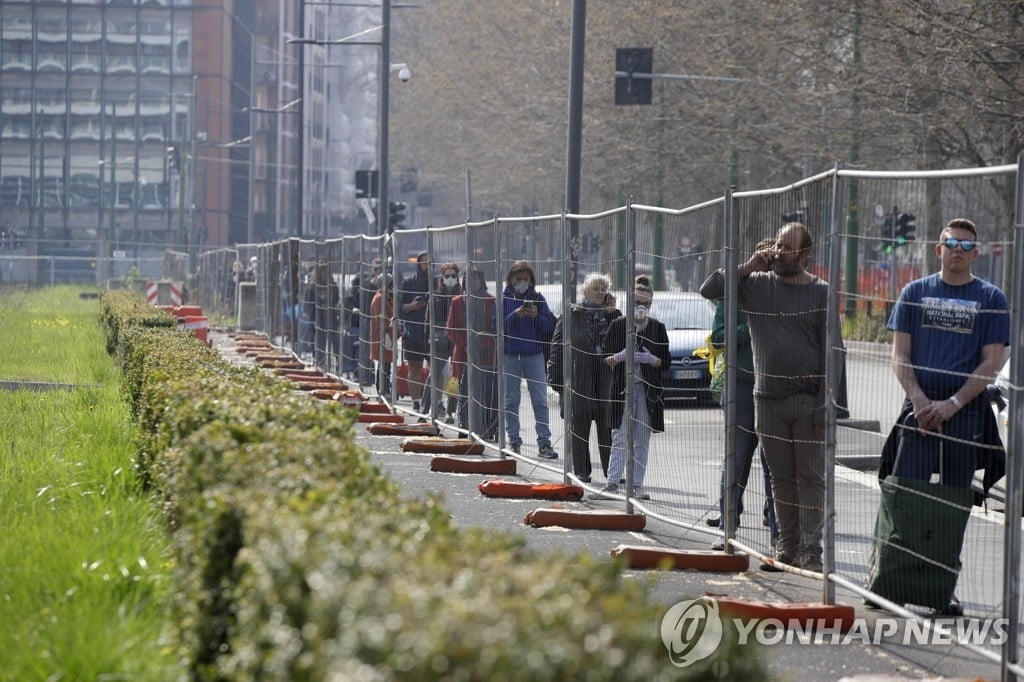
{"x": 396, "y": 214}
{"x": 173, "y": 158}
{"x": 888, "y": 232}
{"x": 905, "y": 228}
{"x": 630, "y": 60}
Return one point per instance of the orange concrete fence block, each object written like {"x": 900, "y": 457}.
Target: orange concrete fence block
{"x": 594, "y": 519}
{"x": 707, "y": 560}
{"x": 472, "y": 465}
{"x": 803, "y": 614}
{"x": 378, "y": 417}
{"x": 526, "y": 490}
{"x": 450, "y": 446}
{"x": 402, "y": 429}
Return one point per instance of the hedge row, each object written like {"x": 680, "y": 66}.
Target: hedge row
{"x": 297, "y": 559}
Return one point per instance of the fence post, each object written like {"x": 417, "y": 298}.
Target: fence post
{"x": 1014, "y": 465}
{"x": 629, "y": 385}
{"x": 833, "y": 338}
{"x": 499, "y": 328}
{"x": 727, "y": 520}
{"x": 568, "y": 265}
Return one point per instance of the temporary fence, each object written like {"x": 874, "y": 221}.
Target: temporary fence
{"x": 331, "y": 303}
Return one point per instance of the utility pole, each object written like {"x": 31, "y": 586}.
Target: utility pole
{"x": 383, "y": 104}
{"x": 575, "y": 135}
{"x": 300, "y": 189}
{"x": 112, "y": 226}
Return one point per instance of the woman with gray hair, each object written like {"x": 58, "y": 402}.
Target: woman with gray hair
{"x": 590, "y": 376}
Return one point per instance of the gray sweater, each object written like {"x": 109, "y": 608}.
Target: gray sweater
{"x": 787, "y": 331}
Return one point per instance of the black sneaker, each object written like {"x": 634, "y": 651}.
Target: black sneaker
{"x": 714, "y": 521}
{"x": 546, "y": 451}
{"x": 780, "y": 558}
{"x": 953, "y": 609}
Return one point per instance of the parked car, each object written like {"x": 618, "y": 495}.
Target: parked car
{"x": 688, "y": 318}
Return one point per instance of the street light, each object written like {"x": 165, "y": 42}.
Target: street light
{"x": 383, "y": 97}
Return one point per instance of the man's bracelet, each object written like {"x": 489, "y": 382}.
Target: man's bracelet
{"x": 956, "y": 401}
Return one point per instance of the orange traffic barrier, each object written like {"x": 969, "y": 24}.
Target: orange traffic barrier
{"x": 374, "y": 408}
{"x": 384, "y": 429}
{"x": 538, "y": 491}
{"x": 707, "y": 560}
{"x": 197, "y": 324}
{"x": 804, "y": 614}
{"x": 450, "y": 446}
{"x": 472, "y": 465}
{"x": 579, "y": 518}
{"x": 183, "y": 310}
{"x": 372, "y": 417}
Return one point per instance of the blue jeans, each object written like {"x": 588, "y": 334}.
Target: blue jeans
{"x": 641, "y": 441}
{"x": 531, "y": 368}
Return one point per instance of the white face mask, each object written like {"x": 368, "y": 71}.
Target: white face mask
{"x": 450, "y": 281}
{"x": 640, "y": 315}
{"x": 521, "y": 286}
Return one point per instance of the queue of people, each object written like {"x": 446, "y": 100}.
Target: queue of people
{"x": 950, "y": 330}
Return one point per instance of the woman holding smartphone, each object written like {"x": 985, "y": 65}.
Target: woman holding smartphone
{"x": 527, "y": 318}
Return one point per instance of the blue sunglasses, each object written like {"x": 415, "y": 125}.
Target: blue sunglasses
{"x": 952, "y": 242}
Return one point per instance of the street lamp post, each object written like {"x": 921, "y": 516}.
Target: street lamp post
{"x": 383, "y": 104}
{"x": 385, "y": 67}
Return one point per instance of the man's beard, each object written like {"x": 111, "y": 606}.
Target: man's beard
{"x": 787, "y": 269}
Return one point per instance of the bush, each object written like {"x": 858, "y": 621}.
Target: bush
{"x": 296, "y": 559}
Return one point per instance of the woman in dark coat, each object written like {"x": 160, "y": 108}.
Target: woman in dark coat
{"x": 591, "y": 377}
{"x": 651, "y": 357}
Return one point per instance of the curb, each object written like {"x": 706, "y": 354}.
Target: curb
{"x": 593, "y": 519}
{"x": 706, "y": 560}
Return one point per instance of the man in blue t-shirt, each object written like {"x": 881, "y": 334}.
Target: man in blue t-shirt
{"x": 950, "y": 330}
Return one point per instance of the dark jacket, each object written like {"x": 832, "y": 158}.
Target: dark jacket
{"x": 653, "y": 338}
{"x": 591, "y": 377}
{"x": 991, "y": 459}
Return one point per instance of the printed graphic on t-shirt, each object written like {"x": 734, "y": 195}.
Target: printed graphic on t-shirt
{"x": 949, "y": 314}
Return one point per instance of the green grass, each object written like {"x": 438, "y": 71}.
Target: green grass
{"x": 84, "y": 568}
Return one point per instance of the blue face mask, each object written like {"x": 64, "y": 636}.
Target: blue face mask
{"x": 521, "y": 286}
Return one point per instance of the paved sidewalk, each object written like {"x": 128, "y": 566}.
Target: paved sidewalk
{"x": 468, "y": 507}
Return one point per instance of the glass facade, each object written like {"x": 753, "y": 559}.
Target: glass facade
{"x": 92, "y": 96}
